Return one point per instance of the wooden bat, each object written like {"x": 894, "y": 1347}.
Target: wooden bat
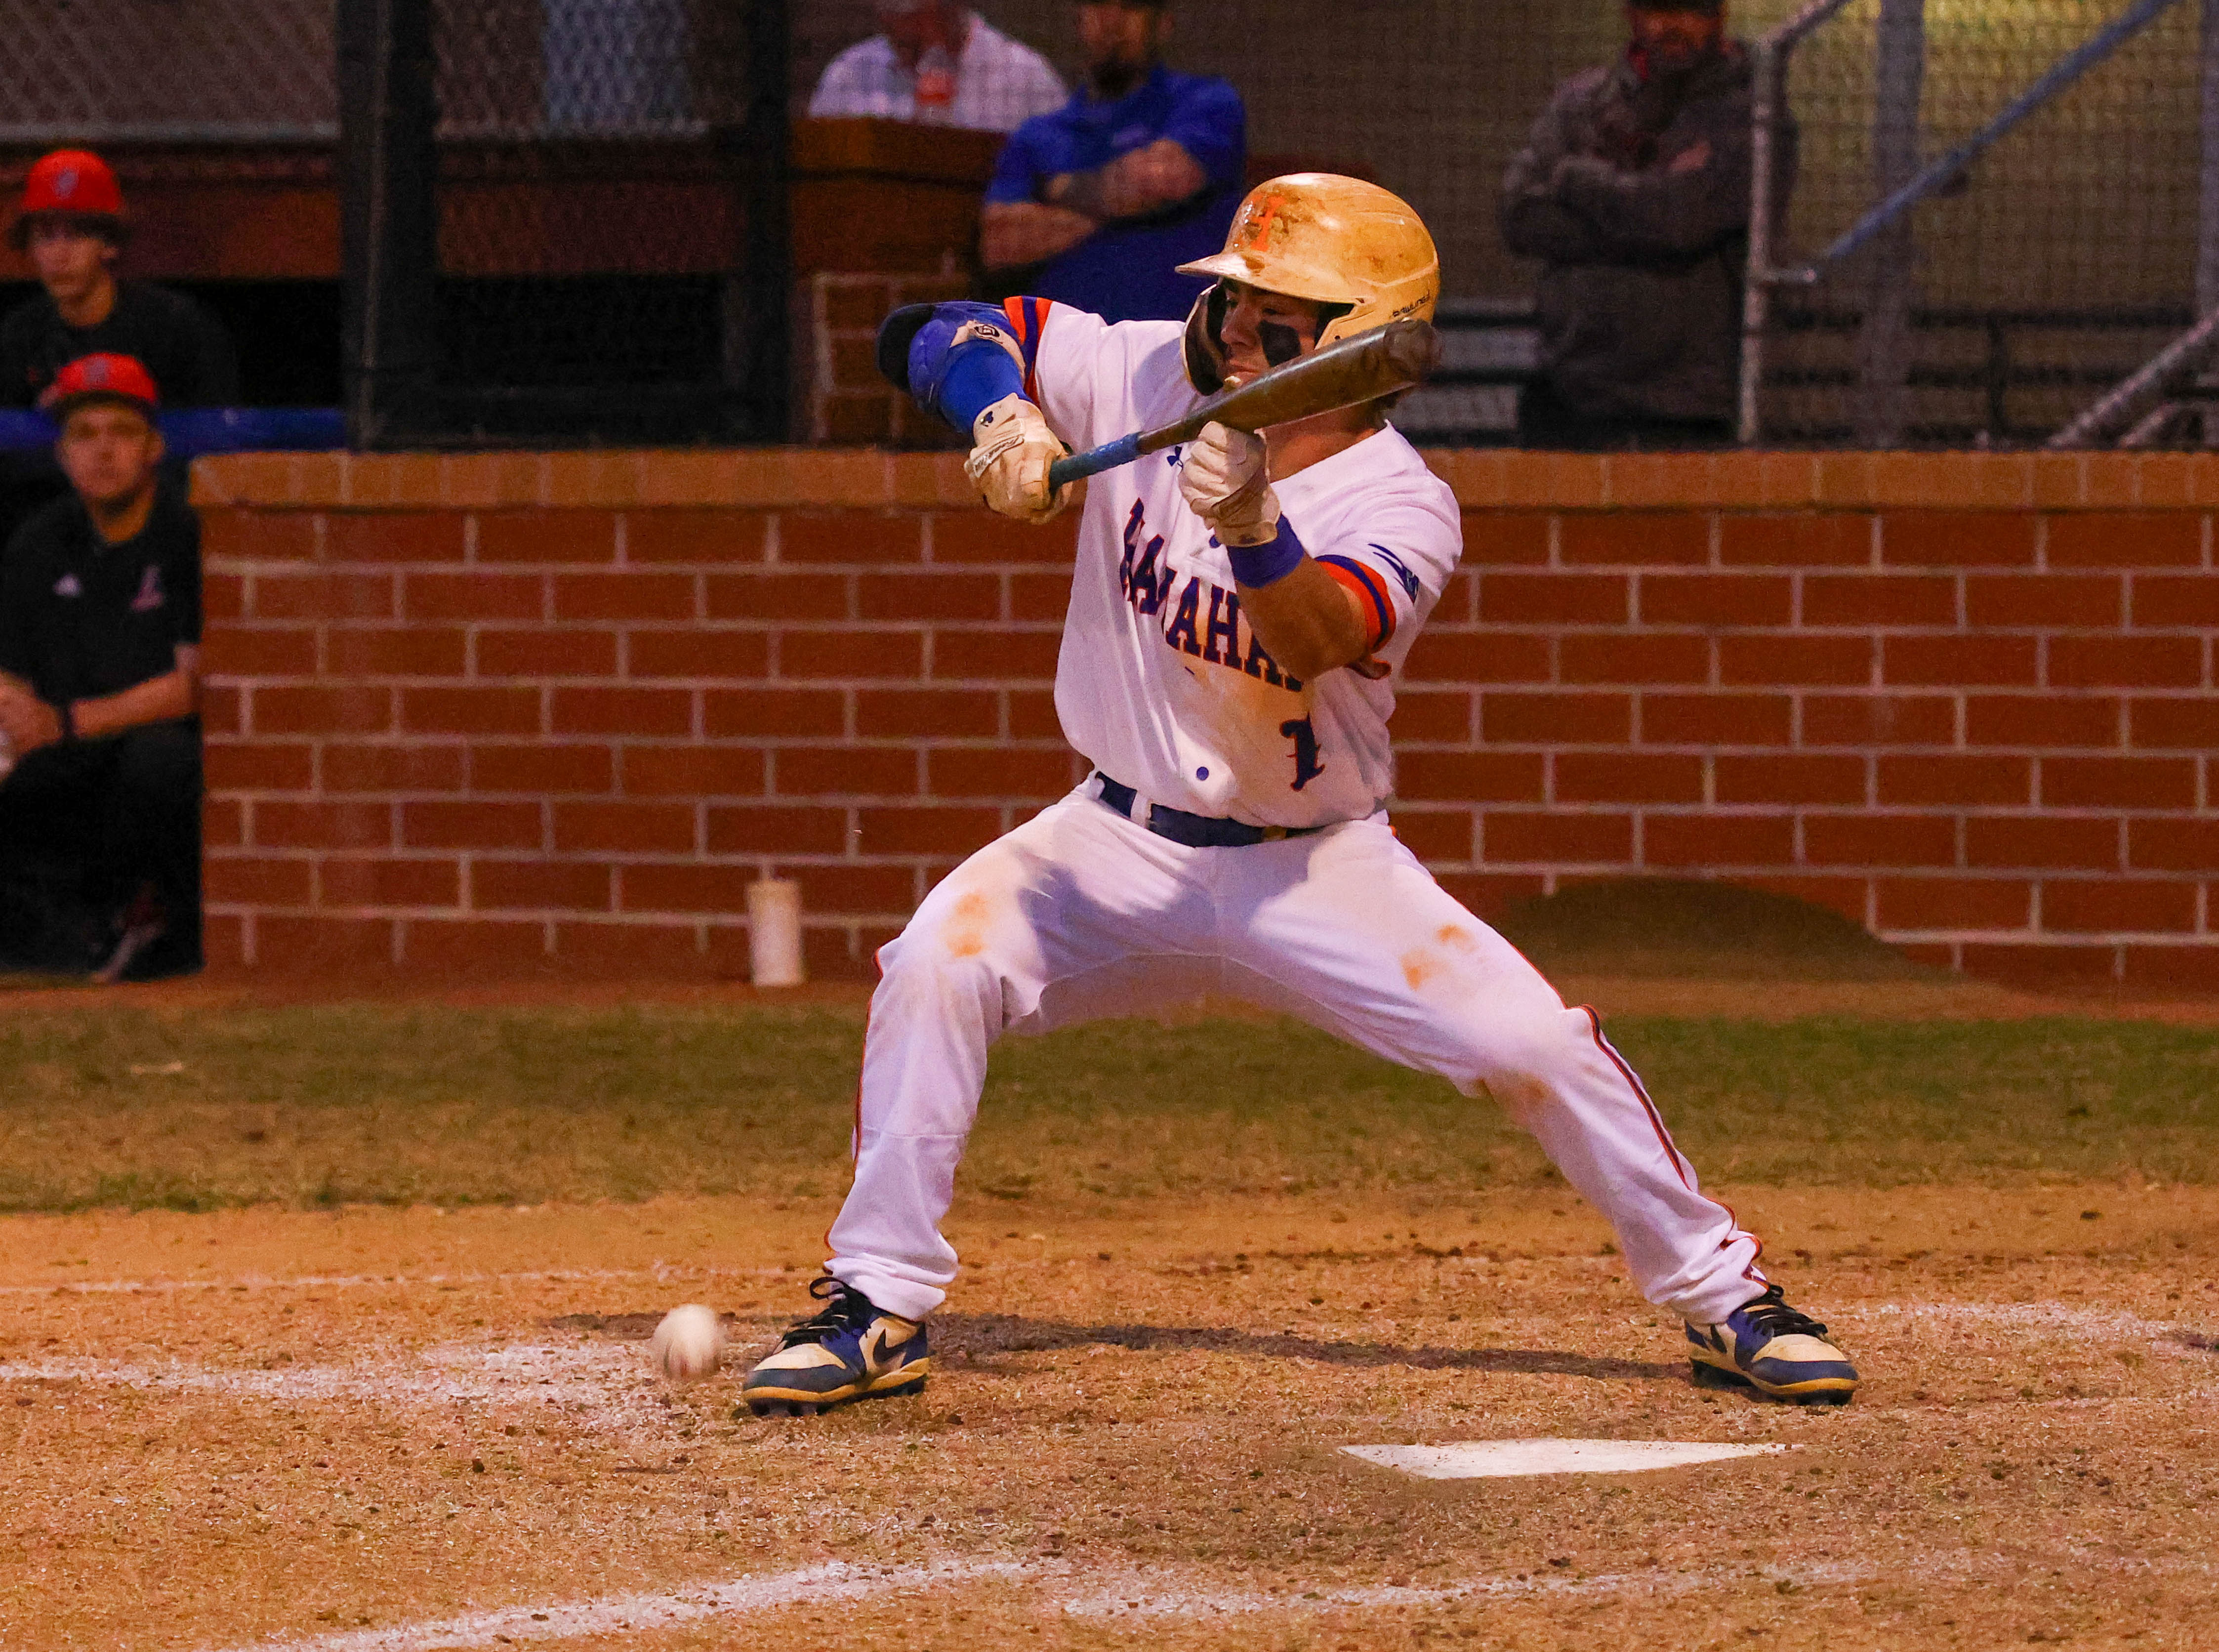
{"x": 1374, "y": 363}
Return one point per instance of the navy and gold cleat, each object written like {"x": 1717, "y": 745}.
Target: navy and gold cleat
{"x": 1768, "y": 1346}
{"x": 849, "y": 1351}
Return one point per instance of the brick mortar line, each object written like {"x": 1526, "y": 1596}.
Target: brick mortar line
{"x": 836, "y": 922}
{"x": 2046, "y": 937}
{"x": 354, "y": 913}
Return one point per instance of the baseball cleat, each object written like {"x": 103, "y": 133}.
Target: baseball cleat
{"x": 1768, "y": 1346}
{"x": 849, "y": 1351}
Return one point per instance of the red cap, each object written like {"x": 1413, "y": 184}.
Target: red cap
{"x": 101, "y": 378}
{"x": 75, "y": 181}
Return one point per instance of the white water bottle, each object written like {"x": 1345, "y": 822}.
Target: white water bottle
{"x": 774, "y": 932}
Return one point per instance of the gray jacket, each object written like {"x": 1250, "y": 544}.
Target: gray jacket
{"x": 1635, "y": 196}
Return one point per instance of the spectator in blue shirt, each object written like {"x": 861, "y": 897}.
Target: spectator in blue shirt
{"x": 1098, "y": 204}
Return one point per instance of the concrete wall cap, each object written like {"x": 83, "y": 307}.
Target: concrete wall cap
{"x": 1484, "y": 479}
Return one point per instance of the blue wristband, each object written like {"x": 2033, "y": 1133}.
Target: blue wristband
{"x": 1258, "y": 566}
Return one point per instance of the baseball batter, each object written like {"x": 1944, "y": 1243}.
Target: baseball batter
{"x": 1240, "y": 609}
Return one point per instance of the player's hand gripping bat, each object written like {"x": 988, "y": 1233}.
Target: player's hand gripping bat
{"x": 1374, "y": 363}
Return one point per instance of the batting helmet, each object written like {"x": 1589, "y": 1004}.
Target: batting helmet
{"x": 69, "y": 183}
{"x": 1351, "y": 246}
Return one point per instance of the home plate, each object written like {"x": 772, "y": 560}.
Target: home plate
{"x": 1501, "y": 1459}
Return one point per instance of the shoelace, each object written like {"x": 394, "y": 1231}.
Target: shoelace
{"x": 1771, "y": 1314}
{"x": 847, "y": 1309}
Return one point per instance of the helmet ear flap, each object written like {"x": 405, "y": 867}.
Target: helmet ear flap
{"x": 1206, "y": 366}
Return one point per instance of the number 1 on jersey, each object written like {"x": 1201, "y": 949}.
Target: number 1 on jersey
{"x": 1308, "y": 764}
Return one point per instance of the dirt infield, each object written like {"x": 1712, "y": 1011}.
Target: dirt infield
{"x": 398, "y": 1429}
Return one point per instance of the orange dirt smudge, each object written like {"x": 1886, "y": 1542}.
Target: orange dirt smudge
{"x": 966, "y": 934}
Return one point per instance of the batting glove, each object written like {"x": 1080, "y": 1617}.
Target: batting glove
{"x": 1011, "y": 450}
{"x": 1225, "y": 481}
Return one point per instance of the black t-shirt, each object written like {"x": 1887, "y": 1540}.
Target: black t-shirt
{"x": 81, "y": 619}
{"x": 179, "y": 342}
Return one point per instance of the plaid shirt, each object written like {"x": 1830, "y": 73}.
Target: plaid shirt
{"x": 1000, "y": 84}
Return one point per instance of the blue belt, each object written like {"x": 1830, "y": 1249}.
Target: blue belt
{"x": 1196, "y": 831}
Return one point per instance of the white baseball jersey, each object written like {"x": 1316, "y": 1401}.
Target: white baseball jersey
{"x": 1162, "y": 683}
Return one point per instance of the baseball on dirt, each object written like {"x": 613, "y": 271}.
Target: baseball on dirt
{"x": 688, "y": 1342}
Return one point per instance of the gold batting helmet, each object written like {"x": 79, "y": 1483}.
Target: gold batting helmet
{"x": 1357, "y": 249}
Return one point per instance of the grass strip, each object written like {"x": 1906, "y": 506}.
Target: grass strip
{"x": 309, "y": 1106}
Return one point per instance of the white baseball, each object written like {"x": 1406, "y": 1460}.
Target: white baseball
{"x": 688, "y": 1342}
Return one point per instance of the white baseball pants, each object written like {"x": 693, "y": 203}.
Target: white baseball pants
{"x": 1081, "y": 914}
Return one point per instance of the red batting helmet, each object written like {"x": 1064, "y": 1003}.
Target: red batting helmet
{"x": 69, "y": 184}
{"x": 101, "y": 378}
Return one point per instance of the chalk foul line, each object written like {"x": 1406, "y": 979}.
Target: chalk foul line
{"x": 600, "y": 1385}
{"x": 1167, "y": 1592}
{"x": 254, "y": 1281}
{"x": 836, "y": 1580}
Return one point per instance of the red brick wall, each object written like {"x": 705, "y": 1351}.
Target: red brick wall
{"x": 530, "y": 708}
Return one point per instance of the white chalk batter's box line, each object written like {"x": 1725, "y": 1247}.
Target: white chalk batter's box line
{"x": 597, "y": 1385}
{"x": 2106, "y": 1325}
{"x": 660, "y": 1273}
{"x": 614, "y": 1376}
{"x": 1062, "y": 1588}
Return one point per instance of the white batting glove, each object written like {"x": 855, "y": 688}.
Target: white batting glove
{"x": 1226, "y": 483}
{"x": 1011, "y": 450}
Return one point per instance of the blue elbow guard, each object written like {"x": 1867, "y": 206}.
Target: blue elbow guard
{"x": 974, "y": 376}
{"x": 955, "y": 360}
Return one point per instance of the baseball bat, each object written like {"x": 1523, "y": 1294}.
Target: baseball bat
{"x": 1374, "y": 364}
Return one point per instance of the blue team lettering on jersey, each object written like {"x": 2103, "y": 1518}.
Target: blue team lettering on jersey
{"x": 1142, "y": 574}
{"x": 1205, "y": 622}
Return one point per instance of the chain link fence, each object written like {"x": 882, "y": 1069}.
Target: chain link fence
{"x": 126, "y": 71}
{"x": 2062, "y": 259}
{"x": 606, "y": 257}
{"x": 2065, "y": 258}
{"x": 592, "y": 220}
{"x": 595, "y": 159}
{"x": 118, "y": 71}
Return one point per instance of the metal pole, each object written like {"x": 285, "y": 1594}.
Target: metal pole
{"x": 1884, "y": 343}
{"x": 1771, "y": 56}
{"x": 1757, "y": 278}
{"x": 2207, "y": 243}
{"x": 764, "y": 323}
{"x": 2207, "y": 240}
{"x": 388, "y": 216}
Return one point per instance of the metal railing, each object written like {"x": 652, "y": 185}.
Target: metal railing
{"x": 2177, "y": 358}
{"x": 1997, "y": 366}
{"x": 1771, "y": 54}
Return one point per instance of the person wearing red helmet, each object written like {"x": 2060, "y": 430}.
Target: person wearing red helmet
{"x": 70, "y": 223}
{"x": 100, "y": 631}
